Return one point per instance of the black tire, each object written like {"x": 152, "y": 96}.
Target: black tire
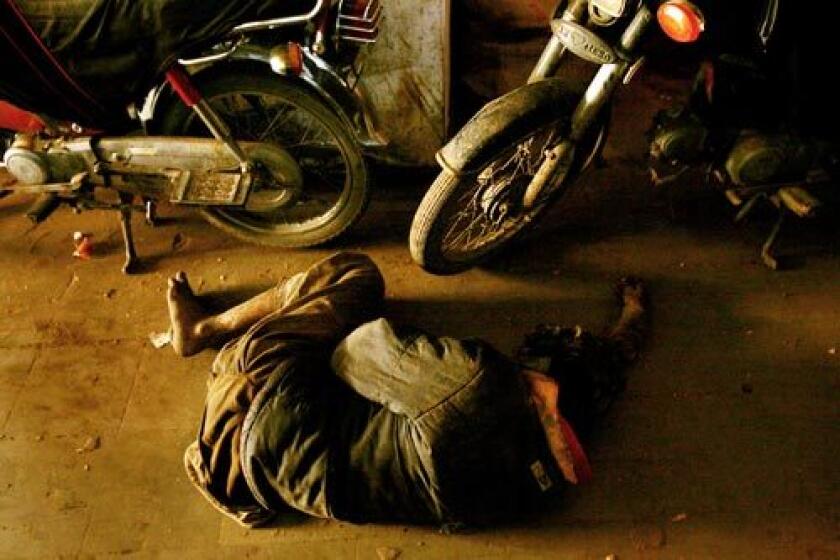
{"x": 287, "y": 226}
{"x": 428, "y": 237}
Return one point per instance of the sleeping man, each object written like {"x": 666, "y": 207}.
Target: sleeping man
{"x": 315, "y": 403}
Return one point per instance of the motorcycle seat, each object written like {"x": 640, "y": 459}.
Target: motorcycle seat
{"x": 117, "y": 49}
{"x": 94, "y": 27}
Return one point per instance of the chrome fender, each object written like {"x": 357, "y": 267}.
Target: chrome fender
{"x": 321, "y": 79}
{"x": 317, "y": 76}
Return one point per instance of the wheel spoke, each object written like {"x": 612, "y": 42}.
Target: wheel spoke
{"x": 479, "y": 220}
{"x": 275, "y": 122}
{"x": 306, "y": 137}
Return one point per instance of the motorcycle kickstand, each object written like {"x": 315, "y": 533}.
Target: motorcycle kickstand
{"x": 132, "y": 263}
{"x": 150, "y": 207}
{"x": 748, "y": 207}
{"x": 768, "y": 256}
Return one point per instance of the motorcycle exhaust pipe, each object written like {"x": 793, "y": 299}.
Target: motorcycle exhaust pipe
{"x": 43, "y": 207}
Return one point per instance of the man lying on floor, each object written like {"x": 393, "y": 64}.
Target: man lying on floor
{"x": 316, "y": 404}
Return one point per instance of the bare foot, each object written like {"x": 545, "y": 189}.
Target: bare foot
{"x": 186, "y": 317}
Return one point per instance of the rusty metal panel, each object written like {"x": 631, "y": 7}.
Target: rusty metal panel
{"x": 405, "y": 78}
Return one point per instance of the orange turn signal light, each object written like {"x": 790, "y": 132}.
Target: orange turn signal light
{"x": 287, "y": 59}
{"x": 680, "y": 20}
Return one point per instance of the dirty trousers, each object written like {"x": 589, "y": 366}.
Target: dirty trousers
{"x": 314, "y": 310}
{"x": 421, "y": 428}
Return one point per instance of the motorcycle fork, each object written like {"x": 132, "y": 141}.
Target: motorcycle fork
{"x": 600, "y": 91}
{"x": 554, "y": 51}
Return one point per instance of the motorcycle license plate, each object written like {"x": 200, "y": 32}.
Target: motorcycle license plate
{"x": 210, "y": 188}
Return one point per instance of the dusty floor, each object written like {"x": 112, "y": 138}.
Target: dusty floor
{"x": 725, "y": 445}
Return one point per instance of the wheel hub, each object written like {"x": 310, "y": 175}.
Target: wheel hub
{"x": 499, "y": 198}
{"x": 278, "y": 180}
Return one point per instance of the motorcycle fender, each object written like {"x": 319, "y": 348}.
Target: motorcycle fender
{"x": 317, "y": 77}
{"x": 504, "y": 120}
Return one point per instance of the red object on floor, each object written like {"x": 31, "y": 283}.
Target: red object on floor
{"x": 583, "y": 469}
{"x": 84, "y": 246}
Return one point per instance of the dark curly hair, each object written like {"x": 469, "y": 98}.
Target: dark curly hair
{"x": 588, "y": 368}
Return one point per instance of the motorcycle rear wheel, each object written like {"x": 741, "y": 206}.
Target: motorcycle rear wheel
{"x": 264, "y": 107}
{"x": 465, "y": 220}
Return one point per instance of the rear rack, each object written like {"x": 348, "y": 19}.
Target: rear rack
{"x": 281, "y": 22}
{"x": 359, "y": 20}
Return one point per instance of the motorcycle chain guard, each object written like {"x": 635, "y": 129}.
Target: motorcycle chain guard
{"x": 197, "y": 171}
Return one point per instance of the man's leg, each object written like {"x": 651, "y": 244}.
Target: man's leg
{"x": 298, "y": 320}
{"x": 194, "y": 329}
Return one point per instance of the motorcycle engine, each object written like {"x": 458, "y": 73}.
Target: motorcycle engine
{"x": 33, "y": 162}
{"x": 27, "y": 166}
{"x": 678, "y": 136}
{"x": 758, "y": 158}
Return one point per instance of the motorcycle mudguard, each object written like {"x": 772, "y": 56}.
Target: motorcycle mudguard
{"x": 319, "y": 81}
{"x": 504, "y": 120}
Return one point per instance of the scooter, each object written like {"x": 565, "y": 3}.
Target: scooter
{"x": 521, "y": 152}
{"x": 255, "y": 122}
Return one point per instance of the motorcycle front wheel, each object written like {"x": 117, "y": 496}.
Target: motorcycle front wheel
{"x": 262, "y": 107}
{"x": 464, "y": 220}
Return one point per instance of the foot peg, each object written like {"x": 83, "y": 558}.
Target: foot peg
{"x": 800, "y": 201}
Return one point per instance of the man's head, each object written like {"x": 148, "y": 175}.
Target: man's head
{"x": 583, "y": 367}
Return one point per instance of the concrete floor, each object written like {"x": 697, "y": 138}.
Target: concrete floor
{"x": 724, "y": 446}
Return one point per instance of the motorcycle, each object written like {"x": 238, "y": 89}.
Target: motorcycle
{"x": 245, "y": 110}
{"x": 524, "y": 150}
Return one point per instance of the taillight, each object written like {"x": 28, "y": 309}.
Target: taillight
{"x": 680, "y": 20}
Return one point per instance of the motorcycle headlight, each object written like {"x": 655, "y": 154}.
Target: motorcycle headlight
{"x": 681, "y": 20}
{"x": 611, "y": 8}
